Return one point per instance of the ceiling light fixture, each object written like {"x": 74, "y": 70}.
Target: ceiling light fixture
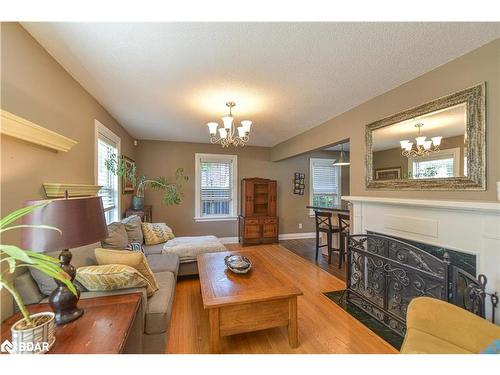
{"x": 342, "y": 160}
{"x": 423, "y": 147}
{"x": 229, "y": 134}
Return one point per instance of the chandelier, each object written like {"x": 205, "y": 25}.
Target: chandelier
{"x": 423, "y": 147}
{"x": 229, "y": 134}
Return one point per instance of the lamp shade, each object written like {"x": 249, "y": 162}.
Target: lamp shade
{"x": 81, "y": 221}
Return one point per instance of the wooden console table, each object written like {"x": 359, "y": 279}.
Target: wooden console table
{"x": 102, "y": 329}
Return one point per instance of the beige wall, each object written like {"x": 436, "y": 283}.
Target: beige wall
{"x": 35, "y": 87}
{"x": 394, "y": 158}
{"x": 481, "y": 65}
{"x": 161, "y": 158}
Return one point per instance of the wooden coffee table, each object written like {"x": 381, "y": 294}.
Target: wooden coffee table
{"x": 260, "y": 299}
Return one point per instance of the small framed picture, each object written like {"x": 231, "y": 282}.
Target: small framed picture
{"x": 127, "y": 185}
{"x": 393, "y": 173}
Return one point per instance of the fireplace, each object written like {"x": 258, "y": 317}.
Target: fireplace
{"x": 468, "y": 231}
{"x": 384, "y": 274}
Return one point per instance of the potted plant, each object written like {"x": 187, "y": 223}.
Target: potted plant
{"x": 172, "y": 192}
{"x": 33, "y": 333}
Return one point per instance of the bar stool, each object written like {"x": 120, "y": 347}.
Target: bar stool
{"x": 324, "y": 224}
{"x": 344, "y": 231}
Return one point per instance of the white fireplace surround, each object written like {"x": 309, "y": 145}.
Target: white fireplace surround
{"x": 468, "y": 226}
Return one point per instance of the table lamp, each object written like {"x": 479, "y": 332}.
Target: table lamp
{"x": 82, "y": 222}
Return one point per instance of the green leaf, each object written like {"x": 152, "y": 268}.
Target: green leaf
{"x": 17, "y": 214}
{"x": 58, "y": 275}
{"x": 41, "y": 256}
{"x": 16, "y": 253}
{"x": 12, "y": 264}
{"x": 49, "y": 227}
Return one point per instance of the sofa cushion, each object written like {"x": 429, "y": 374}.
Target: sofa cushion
{"x": 153, "y": 249}
{"x": 133, "y": 259}
{"x": 81, "y": 256}
{"x": 110, "y": 277}
{"x": 133, "y": 228}
{"x": 159, "y": 308}
{"x": 155, "y": 233}
{"x": 163, "y": 262}
{"x": 117, "y": 237}
{"x": 188, "y": 248}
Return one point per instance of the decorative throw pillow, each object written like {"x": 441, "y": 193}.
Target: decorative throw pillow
{"x": 117, "y": 237}
{"x": 155, "y": 233}
{"x": 110, "y": 277}
{"x": 135, "y": 246}
{"x": 136, "y": 260}
{"x": 133, "y": 228}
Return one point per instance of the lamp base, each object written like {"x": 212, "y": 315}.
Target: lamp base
{"x": 64, "y": 304}
{"x": 62, "y": 300}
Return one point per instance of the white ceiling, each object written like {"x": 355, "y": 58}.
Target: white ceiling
{"x": 449, "y": 122}
{"x": 165, "y": 81}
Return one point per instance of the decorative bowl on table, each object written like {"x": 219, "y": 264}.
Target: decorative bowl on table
{"x": 238, "y": 263}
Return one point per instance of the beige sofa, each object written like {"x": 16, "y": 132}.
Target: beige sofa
{"x": 149, "y": 332}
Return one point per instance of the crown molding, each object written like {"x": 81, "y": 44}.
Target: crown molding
{"x": 20, "y": 128}
{"x": 54, "y": 190}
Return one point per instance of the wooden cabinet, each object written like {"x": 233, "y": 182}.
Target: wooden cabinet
{"x": 146, "y": 214}
{"x": 258, "y": 222}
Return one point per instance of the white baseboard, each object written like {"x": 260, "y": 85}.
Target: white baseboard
{"x": 286, "y": 236}
{"x": 296, "y": 236}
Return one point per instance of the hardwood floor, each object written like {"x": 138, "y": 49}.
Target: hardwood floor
{"x": 306, "y": 248}
{"x": 323, "y": 326}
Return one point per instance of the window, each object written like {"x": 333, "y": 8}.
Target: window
{"x": 324, "y": 182}
{"x": 107, "y": 143}
{"x": 216, "y": 188}
{"x": 440, "y": 165}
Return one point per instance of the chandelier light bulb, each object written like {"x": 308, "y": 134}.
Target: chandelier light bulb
{"x": 246, "y": 124}
{"x": 408, "y": 146}
{"x": 420, "y": 141}
{"x": 223, "y": 133}
{"x": 228, "y": 121}
{"x": 241, "y": 131}
{"x": 436, "y": 141}
{"x": 212, "y": 127}
{"x": 427, "y": 145}
{"x": 404, "y": 143}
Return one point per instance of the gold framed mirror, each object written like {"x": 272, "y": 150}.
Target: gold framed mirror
{"x": 440, "y": 145}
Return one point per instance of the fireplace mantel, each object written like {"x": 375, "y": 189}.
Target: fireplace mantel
{"x": 471, "y": 227}
{"x": 459, "y": 205}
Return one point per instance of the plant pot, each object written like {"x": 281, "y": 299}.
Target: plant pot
{"x": 36, "y": 340}
{"x": 137, "y": 203}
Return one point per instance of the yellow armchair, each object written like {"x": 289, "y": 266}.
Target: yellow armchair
{"x": 438, "y": 327}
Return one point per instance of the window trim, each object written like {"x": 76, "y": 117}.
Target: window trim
{"x": 311, "y": 192}
{"x": 233, "y": 215}
{"x": 101, "y": 129}
{"x": 453, "y": 152}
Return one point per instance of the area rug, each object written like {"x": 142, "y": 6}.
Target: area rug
{"x": 374, "y": 325}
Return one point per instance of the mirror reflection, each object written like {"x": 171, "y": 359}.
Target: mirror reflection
{"x": 433, "y": 145}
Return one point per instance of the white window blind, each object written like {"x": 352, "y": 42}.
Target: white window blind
{"x": 216, "y": 189}
{"x": 324, "y": 182}
{"x": 107, "y": 143}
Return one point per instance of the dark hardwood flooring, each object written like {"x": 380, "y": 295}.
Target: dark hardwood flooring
{"x": 306, "y": 248}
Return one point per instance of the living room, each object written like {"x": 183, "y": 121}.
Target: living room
{"x": 224, "y": 188}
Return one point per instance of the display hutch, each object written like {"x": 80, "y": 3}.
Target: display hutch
{"x": 258, "y": 221}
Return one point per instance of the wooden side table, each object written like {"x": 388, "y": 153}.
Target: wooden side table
{"x": 102, "y": 329}
{"x": 146, "y": 214}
